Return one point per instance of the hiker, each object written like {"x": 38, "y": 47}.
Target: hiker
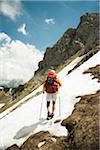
{"x": 51, "y": 87}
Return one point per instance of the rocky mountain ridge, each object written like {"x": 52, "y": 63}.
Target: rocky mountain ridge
{"x": 84, "y": 37}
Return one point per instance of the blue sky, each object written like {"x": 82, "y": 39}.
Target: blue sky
{"x": 41, "y": 23}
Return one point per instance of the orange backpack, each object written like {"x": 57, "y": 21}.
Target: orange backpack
{"x": 51, "y": 83}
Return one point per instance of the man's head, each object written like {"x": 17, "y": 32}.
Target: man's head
{"x": 51, "y": 71}
{"x": 51, "y": 68}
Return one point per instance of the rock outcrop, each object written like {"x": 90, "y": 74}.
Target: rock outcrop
{"x": 83, "y": 124}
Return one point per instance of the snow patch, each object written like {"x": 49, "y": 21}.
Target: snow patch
{"x": 18, "y": 125}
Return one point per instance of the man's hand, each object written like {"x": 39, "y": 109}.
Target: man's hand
{"x": 43, "y": 92}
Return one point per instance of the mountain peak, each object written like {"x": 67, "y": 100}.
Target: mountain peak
{"x": 84, "y": 38}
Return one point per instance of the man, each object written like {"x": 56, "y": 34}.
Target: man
{"x": 51, "y": 87}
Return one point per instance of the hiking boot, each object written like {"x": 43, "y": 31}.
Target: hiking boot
{"x": 48, "y": 117}
{"x": 52, "y": 115}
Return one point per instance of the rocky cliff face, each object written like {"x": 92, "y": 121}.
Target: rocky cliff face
{"x": 84, "y": 37}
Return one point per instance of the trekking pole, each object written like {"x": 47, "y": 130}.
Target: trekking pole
{"x": 41, "y": 106}
{"x": 59, "y": 105}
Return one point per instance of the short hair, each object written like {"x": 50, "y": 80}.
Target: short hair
{"x": 52, "y": 68}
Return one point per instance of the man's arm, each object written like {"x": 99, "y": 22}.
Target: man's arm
{"x": 44, "y": 88}
{"x": 59, "y": 82}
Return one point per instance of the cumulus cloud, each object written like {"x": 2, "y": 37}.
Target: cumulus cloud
{"x": 22, "y": 29}
{"x": 18, "y": 61}
{"x": 5, "y": 38}
{"x": 11, "y": 9}
{"x": 50, "y": 21}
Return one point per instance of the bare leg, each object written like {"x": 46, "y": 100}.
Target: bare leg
{"x": 48, "y": 107}
{"x": 53, "y": 106}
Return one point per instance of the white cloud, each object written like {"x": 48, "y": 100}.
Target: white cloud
{"x": 5, "y": 38}
{"x": 11, "y": 9}
{"x": 50, "y": 21}
{"x": 22, "y": 29}
{"x": 18, "y": 61}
